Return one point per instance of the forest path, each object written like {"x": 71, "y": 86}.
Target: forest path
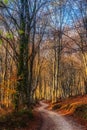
{"x": 54, "y": 121}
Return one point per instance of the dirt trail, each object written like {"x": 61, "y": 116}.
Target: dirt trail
{"x": 54, "y": 121}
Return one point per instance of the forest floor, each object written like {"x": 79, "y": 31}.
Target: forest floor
{"x": 21, "y": 120}
{"x": 74, "y": 108}
{"x": 55, "y": 121}
{"x": 69, "y": 114}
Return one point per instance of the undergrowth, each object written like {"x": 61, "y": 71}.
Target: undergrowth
{"x": 81, "y": 111}
{"x": 16, "y": 120}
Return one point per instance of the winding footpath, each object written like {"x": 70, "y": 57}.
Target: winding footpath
{"x": 54, "y": 121}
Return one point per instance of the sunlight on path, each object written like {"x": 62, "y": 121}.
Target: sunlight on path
{"x": 54, "y": 121}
